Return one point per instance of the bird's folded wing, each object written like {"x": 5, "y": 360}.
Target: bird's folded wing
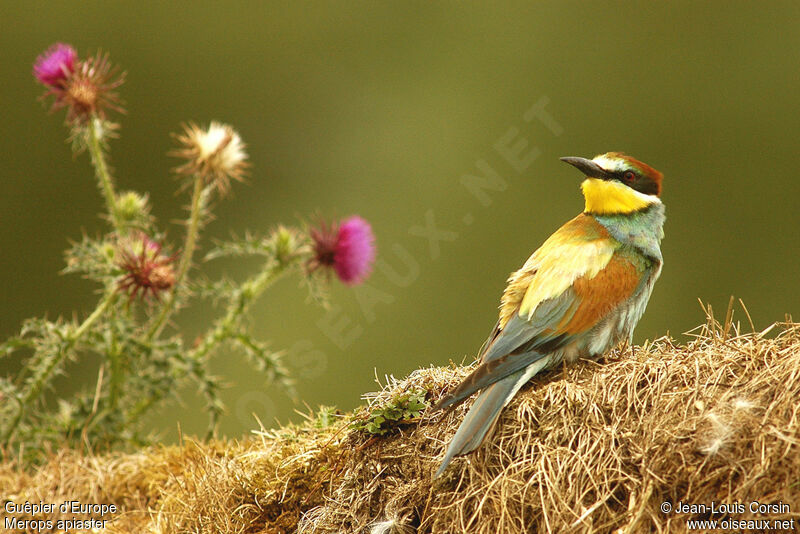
{"x": 564, "y": 290}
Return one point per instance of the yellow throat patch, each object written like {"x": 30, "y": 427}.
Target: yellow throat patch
{"x": 606, "y": 197}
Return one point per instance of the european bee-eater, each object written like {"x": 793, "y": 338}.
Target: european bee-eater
{"x": 580, "y": 294}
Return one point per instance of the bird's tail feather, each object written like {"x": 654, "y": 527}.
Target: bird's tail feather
{"x": 485, "y": 411}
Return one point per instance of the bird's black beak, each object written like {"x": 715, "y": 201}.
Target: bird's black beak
{"x": 587, "y": 167}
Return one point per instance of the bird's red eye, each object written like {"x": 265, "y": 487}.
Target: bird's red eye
{"x": 629, "y": 176}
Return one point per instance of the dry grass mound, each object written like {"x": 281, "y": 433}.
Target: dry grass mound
{"x": 595, "y": 447}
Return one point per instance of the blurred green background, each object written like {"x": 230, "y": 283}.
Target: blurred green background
{"x": 380, "y": 109}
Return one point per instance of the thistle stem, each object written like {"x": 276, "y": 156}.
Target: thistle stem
{"x": 192, "y": 231}
{"x": 42, "y": 378}
{"x": 103, "y": 174}
{"x": 115, "y": 358}
{"x": 225, "y": 327}
{"x": 249, "y": 291}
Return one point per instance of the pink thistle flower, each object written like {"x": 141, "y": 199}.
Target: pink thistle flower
{"x": 146, "y": 269}
{"x": 55, "y": 65}
{"x": 347, "y": 248}
{"x": 355, "y": 250}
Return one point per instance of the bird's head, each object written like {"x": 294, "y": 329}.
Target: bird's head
{"x": 617, "y": 184}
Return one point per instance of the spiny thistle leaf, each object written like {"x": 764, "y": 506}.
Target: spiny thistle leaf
{"x": 249, "y": 245}
{"x": 265, "y": 360}
{"x": 93, "y": 258}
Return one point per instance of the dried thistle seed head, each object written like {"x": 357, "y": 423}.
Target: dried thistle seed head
{"x": 216, "y": 154}
{"x": 90, "y": 89}
{"x": 347, "y": 247}
{"x": 147, "y": 272}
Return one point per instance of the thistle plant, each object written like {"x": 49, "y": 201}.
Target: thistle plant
{"x": 145, "y": 281}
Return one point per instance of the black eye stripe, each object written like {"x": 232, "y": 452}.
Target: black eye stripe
{"x": 640, "y": 182}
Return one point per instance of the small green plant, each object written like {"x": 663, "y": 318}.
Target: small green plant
{"x": 399, "y": 410}
{"x": 326, "y": 416}
{"x": 144, "y": 282}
